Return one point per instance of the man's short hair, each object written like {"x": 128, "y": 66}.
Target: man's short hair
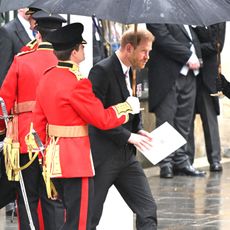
{"x": 135, "y": 37}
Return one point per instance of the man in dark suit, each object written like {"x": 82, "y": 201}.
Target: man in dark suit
{"x": 207, "y": 106}
{"x": 13, "y": 36}
{"x": 173, "y": 66}
{"x": 113, "y": 150}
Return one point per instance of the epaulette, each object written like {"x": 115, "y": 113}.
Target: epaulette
{"x": 32, "y": 44}
{"x": 75, "y": 70}
{"x": 25, "y": 52}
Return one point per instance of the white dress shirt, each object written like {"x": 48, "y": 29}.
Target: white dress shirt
{"x": 127, "y": 77}
{"x": 185, "y": 69}
{"x": 26, "y": 26}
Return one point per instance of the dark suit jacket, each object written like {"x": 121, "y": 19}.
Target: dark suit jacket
{"x": 109, "y": 86}
{"x": 170, "y": 51}
{"x": 12, "y": 38}
{"x": 208, "y": 38}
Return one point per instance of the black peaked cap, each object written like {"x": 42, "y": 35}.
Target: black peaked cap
{"x": 47, "y": 20}
{"x": 66, "y": 37}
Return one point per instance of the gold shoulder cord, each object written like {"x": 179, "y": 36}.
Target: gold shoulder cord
{"x": 33, "y": 148}
{"x": 11, "y": 151}
{"x": 47, "y": 168}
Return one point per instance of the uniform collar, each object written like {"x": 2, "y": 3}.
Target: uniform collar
{"x": 45, "y": 46}
{"x": 68, "y": 64}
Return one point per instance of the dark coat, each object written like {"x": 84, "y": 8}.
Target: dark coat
{"x": 208, "y": 37}
{"x": 109, "y": 86}
{"x": 170, "y": 52}
{"x": 12, "y": 38}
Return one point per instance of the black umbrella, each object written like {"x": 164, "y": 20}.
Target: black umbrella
{"x": 6, "y": 5}
{"x": 193, "y": 12}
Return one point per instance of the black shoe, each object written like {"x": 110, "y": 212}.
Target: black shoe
{"x": 216, "y": 167}
{"x": 189, "y": 170}
{"x": 166, "y": 172}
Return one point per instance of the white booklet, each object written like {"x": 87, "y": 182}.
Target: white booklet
{"x": 166, "y": 140}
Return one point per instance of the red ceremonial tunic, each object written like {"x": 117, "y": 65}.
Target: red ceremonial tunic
{"x": 32, "y": 45}
{"x": 21, "y": 82}
{"x": 64, "y": 98}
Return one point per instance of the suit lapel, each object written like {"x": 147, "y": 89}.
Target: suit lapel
{"x": 21, "y": 33}
{"x": 184, "y": 31}
{"x": 120, "y": 77}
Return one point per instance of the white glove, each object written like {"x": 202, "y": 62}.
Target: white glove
{"x": 134, "y": 104}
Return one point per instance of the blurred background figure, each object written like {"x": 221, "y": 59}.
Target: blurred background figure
{"x": 100, "y": 50}
{"x": 13, "y": 36}
{"x": 211, "y": 41}
{"x": 173, "y": 66}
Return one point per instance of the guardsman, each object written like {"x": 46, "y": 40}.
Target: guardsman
{"x": 18, "y": 91}
{"x": 65, "y": 105}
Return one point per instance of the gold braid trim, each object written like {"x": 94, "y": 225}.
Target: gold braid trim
{"x": 122, "y": 109}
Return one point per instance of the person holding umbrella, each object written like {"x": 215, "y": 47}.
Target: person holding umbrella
{"x": 18, "y": 92}
{"x": 114, "y": 153}
{"x": 212, "y": 41}
{"x": 224, "y": 85}
{"x": 174, "y": 63}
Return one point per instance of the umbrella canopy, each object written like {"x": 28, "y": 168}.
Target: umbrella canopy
{"x": 6, "y": 5}
{"x": 193, "y": 12}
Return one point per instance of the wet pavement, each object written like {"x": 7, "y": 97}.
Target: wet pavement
{"x": 193, "y": 203}
{"x": 184, "y": 203}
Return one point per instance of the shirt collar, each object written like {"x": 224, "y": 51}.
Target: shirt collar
{"x": 125, "y": 68}
{"x": 26, "y": 26}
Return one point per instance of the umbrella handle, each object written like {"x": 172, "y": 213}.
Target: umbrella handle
{"x": 134, "y": 81}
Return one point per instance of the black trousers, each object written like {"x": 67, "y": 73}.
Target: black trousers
{"x": 177, "y": 109}
{"x": 206, "y": 108}
{"x": 53, "y": 211}
{"x": 77, "y": 197}
{"x": 126, "y": 173}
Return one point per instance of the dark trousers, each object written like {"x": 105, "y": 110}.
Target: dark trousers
{"x": 206, "y": 108}
{"x": 77, "y": 197}
{"x": 126, "y": 173}
{"x": 177, "y": 109}
{"x": 52, "y": 211}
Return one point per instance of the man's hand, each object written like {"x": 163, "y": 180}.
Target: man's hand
{"x": 142, "y": 142}
{"x": 146, "y": 134}
{"x": 193, "y": 62}
{"x": 134, "y": 104}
